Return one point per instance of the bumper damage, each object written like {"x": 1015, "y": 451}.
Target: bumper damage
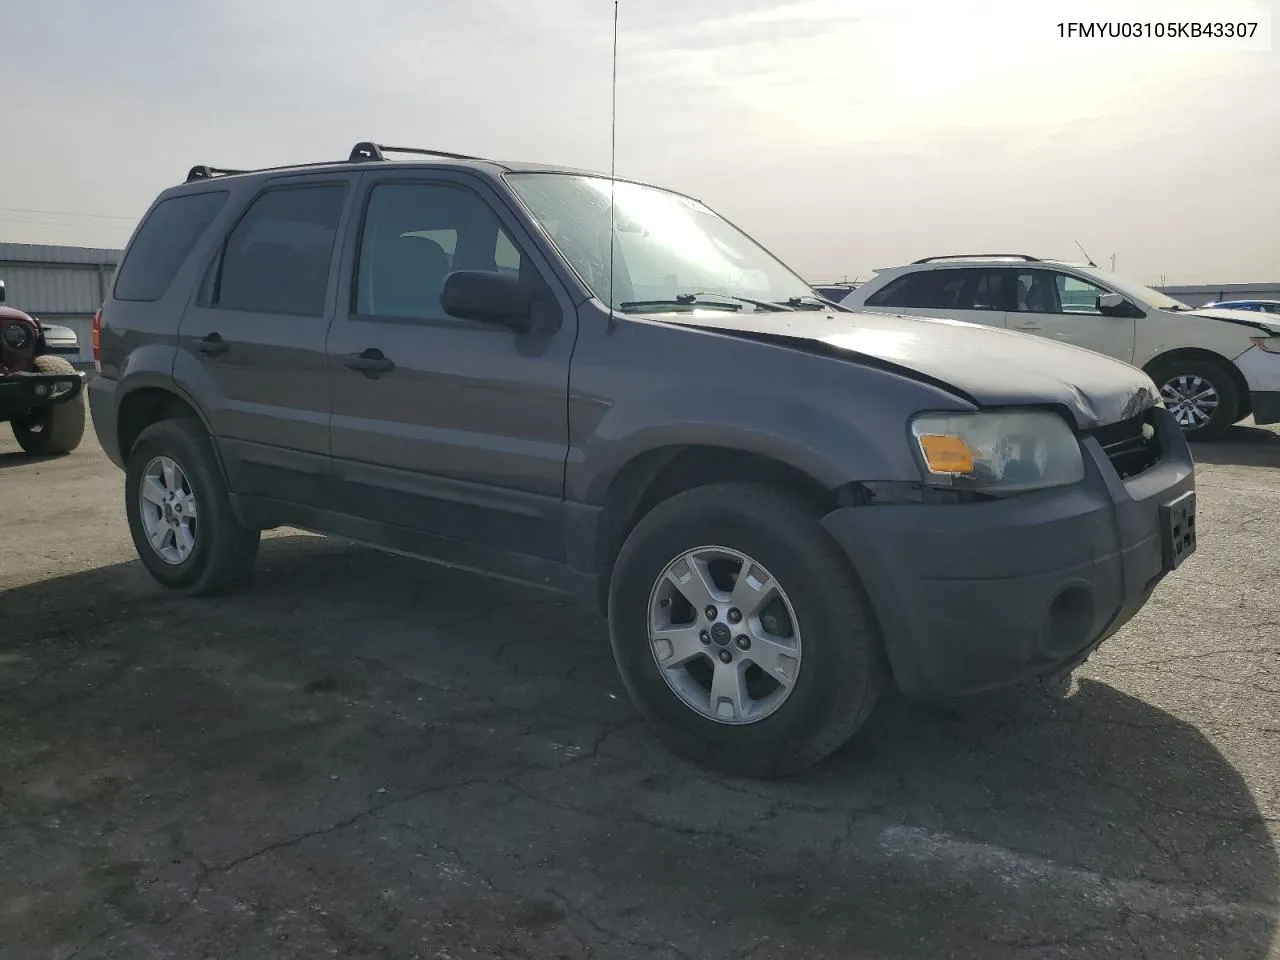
{"x": 976, "y": 596}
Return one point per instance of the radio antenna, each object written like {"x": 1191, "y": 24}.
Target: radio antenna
{"x": 1086, "y": 255}
{"x": 613, "y": 159}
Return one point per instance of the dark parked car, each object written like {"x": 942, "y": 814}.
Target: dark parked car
{"x": 779, "y": 506}
{"x": 41, "y": 394}
{"x": 1258, "y": 306}
{"x": 835, "y": 292}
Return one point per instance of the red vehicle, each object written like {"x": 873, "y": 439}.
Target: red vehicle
{"x": 41, "y": 393}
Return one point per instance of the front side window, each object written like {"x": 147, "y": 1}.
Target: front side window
{"x": 1034, "y": 291}
{"x": 415, "y": 235}
{"x": 666, "y": 245}
{"x": 277, "y": 258}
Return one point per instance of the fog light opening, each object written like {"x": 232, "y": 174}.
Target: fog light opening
{"x": 1070, "y": 619}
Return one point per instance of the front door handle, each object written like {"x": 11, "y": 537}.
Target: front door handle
{"x": 1027, "y": 326}
{"x": 213, "y": 345}
{"x": 372, "y": 362}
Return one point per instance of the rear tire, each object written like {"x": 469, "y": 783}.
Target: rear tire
{"x": 1180, "y": 380}
{"x": 838, "y": 669}
{"x": 54, "y": 430}
{"x": 221, "y": 551}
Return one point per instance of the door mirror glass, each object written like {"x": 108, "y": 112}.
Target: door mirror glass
{"x": 1, "y": 291}
{"x": 488, "y": 297}
{"x": 1114, "y": 305}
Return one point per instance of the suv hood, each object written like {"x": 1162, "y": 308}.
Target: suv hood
{"x": 1247, "y": 318}
{"x": 985, "y": 365}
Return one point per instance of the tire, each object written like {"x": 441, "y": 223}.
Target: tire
{"x": 55, "y": 430}
{"x": 840, "y": 667}
{"x": 224, "y": 551}
{"x": 1167, "y": 376}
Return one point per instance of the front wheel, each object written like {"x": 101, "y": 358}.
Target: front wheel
{"x": 55, "y": 430}
{"x": 741, "y": 632}
{"x": 179, "y": 513}
{"x": 1201, "y": 395}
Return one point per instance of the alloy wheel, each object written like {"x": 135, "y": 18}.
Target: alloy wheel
{"x": 724, "y": 635}
{"x": 167, "y": 507}
{"x": 1191, "y": 399}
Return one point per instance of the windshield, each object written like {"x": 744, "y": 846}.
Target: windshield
{"x": 1136, "y": 291}
{"x": 671, "y": 252}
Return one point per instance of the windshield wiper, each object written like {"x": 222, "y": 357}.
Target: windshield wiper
{"x": 812, "y": 303}
{"x": 695, "y": 300}
{"x": 630, "y": 305}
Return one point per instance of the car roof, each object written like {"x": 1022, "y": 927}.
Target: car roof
{"x": 963, "y": 261}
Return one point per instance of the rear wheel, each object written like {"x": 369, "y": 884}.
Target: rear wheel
{"x": 1201, "y": 395}
{"x": 55, "y": 430}
{"x": 740, "y": 631}
{"x": 179, "y": 513}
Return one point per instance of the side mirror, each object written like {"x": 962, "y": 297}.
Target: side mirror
{"x": 1114, "y": 305}
{"x": 1, "y": 291}
{"x": 488, "y": 297}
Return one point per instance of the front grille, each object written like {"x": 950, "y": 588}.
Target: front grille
{"x": 1131, "y": 445}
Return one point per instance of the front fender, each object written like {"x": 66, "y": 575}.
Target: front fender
{"x": 827, "y": 446}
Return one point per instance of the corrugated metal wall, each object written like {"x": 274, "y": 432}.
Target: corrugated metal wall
{"x": 62, "y": 285}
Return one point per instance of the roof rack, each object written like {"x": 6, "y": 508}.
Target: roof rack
{"x": 368, "y": 150}
{"x": 203, "y": 172}
{"x": 980, "y": 256}
{"x": 362, "y": 152}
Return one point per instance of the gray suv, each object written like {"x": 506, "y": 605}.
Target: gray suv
{"x": 606, "y": 389}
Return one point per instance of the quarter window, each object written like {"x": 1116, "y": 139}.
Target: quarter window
{"x": 277, "y": 258}
{"x": 163, "y": 243}
{"x": 415, "y": 235}
{"x": 1076, "y": 295}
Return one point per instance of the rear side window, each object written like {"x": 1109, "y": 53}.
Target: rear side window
{"x": 963, "y": 289}
{"x": 163, "y": 244}
{"x": 276, "y": 259}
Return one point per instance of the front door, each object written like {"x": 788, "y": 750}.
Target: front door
{"x": 252, "y": 346}
{"x": 460, "y": 430}
{"x": 1061, "y": 306}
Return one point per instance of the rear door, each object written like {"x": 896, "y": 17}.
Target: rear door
{"x": 972, "y": 294}
{"x": 252, "y": 347}
{"x": 1061, "y": 306}
{"x": 464, "y": 433}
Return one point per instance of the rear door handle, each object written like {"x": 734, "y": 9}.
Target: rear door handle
{"x": 1027, "y": 326}
{"x": 372, "y": 362}
{"x": 213, "y": 345}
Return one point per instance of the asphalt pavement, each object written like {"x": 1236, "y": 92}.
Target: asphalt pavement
{"x": 364, "y": 756}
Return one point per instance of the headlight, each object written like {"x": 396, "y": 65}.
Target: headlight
{"x": 16, "y": 336}
{"x": 1003, "y": 452}
{"x": 1269, "y": 344}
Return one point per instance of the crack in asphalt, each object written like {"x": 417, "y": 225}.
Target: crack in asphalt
{"x": 614, "y": 936}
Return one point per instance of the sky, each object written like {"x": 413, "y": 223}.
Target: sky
{"x": 844, "y": 135}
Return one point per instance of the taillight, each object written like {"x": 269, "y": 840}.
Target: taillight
{"x": 97, "y": 340}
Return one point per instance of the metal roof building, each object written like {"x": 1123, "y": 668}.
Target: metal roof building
{"x": 1195, "y": 295}
{"x": 62, "y": 285}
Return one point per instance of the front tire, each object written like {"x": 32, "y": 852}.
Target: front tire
{"x": 1201, "y": 395}
{"x": 179, "y": 512}
{"x": 799, "y": 668}
{"x": 55, "y": 430}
